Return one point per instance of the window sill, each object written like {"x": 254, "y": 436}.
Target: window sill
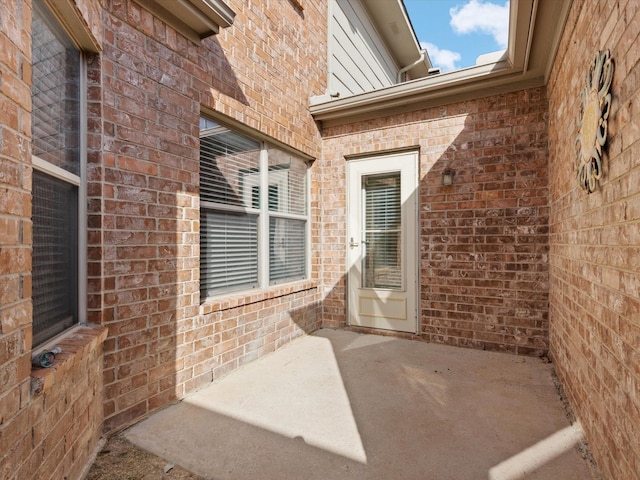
{"x": 235, "y": 300}
{"x": 76, "y": 344}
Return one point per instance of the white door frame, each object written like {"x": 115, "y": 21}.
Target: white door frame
{"x": 389, "y": 309}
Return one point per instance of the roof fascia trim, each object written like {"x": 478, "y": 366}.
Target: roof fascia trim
{"x": 196, "y": 19}
{"x": 473, "y": 81}
{"x": 469, "y": 81}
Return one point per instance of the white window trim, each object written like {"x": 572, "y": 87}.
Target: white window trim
{"x": 263, "y": 223}
{"x": 55, "y": 171}
{"x": 264, "y": 214}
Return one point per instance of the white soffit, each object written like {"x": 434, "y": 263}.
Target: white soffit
{"x": 392, "y": 21}
{"x": 197, "y": 19}
{"x": 535, "y": 27}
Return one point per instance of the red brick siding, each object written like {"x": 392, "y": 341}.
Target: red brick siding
{"x": 96, "y": 311}
{"x": 245, "y": 328}
{"x": 595, "y": 259}
{"x": 50, "y": 420}
{"x": 262, "y": 70}
{"x": 15, "y": 236}
{"x": 65, "y": 415}
{"x": 144, "y": 205}
{"x": 483, "y": 240}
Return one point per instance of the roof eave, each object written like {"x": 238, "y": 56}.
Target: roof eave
{"x": 534, "y": 34}
{"x": 394, "y": 25}
{"x": 196, "y": 19}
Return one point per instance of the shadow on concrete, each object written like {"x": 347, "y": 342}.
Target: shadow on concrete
{"x": 343, "y": 405}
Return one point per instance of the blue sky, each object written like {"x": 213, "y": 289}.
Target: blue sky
{"x": 455, "y": 32}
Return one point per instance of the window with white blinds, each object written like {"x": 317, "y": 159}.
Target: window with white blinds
{"x": 253, "y": 212}
{"x": 228, "y": 251}
{"x": 287, "y": 252}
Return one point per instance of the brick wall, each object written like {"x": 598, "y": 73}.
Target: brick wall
{"x": 144, "y": 205}
{"x": 262, "y": 70}
{"x": 15, "y": 236}
{"x": 52, "y": 423}
{"x": 145, "y": 93}
{"x": 63, "y": 422}
{"x": 483, "y": 240}
{"x": 595, "y": 260}
{"x": 50, "y": 419}
{"x": 241, "y": 328}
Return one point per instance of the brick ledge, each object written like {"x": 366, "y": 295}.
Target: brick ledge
{"x": 75, "y": 344}
{"x": 227, "y": 302}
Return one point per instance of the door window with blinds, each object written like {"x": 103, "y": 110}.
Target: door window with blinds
{"x": 382, "y": 236}
{"x": 253, "y": 212}
{"x": 57, "y": 183}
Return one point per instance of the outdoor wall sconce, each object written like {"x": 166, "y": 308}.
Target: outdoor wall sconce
{"x": 595, "y": 103}
{"x": 447, "y": 177}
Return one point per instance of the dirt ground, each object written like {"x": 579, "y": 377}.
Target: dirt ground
{"x": 121, "y": 460}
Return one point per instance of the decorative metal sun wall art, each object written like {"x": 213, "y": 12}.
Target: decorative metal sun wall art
{"x": 595, "y": 102}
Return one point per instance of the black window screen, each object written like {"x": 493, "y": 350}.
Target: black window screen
{"x": 55, "y": 254}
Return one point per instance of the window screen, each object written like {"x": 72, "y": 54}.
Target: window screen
{"x": 56, "y": 144}
{"x": 287, "y": 252}
{"x": 54, "y": 257}
{"x": 55, "y": 94}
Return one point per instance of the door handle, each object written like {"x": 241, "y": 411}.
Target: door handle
{"x": 353, "y": 244}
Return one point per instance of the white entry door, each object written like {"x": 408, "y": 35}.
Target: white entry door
{"x": 382, "y": 242}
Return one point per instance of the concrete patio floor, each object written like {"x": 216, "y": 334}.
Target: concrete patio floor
{"x": 342, "y": 405}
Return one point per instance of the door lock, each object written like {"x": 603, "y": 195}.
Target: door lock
{"x": 353, "y": 244}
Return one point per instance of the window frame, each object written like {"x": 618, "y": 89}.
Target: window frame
{"x": 79, "y": 181}
{"x": 264, "y": 213}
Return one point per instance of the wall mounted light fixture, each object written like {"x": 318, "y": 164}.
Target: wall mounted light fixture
{"x": 447, "y": 177}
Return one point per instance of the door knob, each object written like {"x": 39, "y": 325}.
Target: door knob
{"x": 353, "y": 244}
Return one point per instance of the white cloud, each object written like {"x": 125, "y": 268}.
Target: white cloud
{"x": 484, "y": 17}
{"x": 445, "y": 59}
